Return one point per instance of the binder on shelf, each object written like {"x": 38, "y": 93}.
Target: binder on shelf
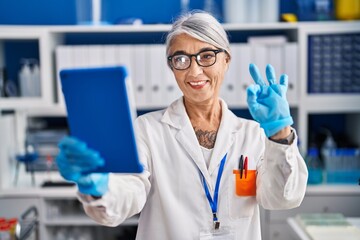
{"x": 80, "y": 56}
{"x": 64, "y": 59}
{"x": 273, "y": 52}
{"x": 259, "y": 56}
{"x": 140, "y": 78}
{"x": 109, "y": 55}
{"x": 157, "y": 64}
{"x": 291, "y": 69}
{"x": 245, "y": 78}
{"x": 95, "y": 53}
{"x": 276, "y": 56}
{"x": 172, "y": 90}
{"x": 230, "y": 90}
{"x": 124, "y": 56}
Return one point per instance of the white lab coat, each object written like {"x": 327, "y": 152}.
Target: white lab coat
{"x": 170, "y": 194}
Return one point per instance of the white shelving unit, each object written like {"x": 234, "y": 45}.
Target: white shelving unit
{"x": 347, "y": 103}
{"x": 318, "y": 199}
{"x": 57, "y": 208}
{"x": 42, "y": 36}
{"x": 49, "y": 37}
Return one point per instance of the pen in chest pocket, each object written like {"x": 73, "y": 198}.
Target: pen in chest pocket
{"x": 243, "y": 166}
{"x": 246, "y": 166}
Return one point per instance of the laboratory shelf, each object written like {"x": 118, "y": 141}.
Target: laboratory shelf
{"x": 84, "y": 221}
{"x": 74, "y": 220}
{"x": 338, "y": 189}
{"x": 334, "y": 102}
{"x": 49, "y": 192}
{"x": 22, "y": 35}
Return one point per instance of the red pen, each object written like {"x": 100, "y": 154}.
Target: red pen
{"x": 246, "y": 166}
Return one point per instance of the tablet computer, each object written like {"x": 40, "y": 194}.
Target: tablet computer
{"x": 100, "y": 112}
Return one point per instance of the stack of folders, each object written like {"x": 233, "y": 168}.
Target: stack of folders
{"x": 334, "y": 63}
{"x": 154, "y": 83}
{"x": 328, "y": 226}
{"x": 260, "y": 50}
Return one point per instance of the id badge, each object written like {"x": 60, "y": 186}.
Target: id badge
{"x": 223, "y": 233}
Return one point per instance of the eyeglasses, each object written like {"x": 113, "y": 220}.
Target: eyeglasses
{"x": 204, "y": 58}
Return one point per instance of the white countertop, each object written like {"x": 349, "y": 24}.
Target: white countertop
{"x": 50, "y": 192}
{"x": 299, "y": 233}
{"x": 71, "y": 191}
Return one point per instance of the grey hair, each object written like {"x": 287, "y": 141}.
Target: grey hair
{"x": 202, "y": 26}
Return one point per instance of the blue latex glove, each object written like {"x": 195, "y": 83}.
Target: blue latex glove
{"x": 267, "y": 103}
{"x": 75, "y": 160}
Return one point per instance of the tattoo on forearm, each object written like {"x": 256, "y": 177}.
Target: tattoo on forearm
{"x": 206, "y": 138}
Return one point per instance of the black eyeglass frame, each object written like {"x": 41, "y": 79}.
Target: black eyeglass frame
{"x": 215, "y": 51}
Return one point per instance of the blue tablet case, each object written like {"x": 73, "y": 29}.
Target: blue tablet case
{"x": 99, "y": 114}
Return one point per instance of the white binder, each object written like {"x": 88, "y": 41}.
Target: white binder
{"x": 80, "y": 56}
{"x": 291, "y": 69}
{"x": 109, "y": 55}
{"x": 141, "y": 78}
{"x": 95, "y": 56}
{"x": 245, "y": 77}
{"x": 64, "y": 59}
{"x": 172, "y": 90}
{"x": 124, "y": 56}
{"x": 276, "y": 55}
{"x": 230, "y": 90}
{"x": 156, "y": 62}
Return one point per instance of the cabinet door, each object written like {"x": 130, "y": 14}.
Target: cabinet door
{"x": 15, "y": 207}
{"x": 279, "y": 231}
{"x": 347, "y": 205}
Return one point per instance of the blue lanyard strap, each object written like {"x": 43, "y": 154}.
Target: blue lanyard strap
{"x": 214, "y": 202}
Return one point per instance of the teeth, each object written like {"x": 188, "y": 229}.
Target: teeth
{"x": 197, "y": 83}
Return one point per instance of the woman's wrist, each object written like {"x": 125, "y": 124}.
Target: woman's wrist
{"x": 284, "y": 136}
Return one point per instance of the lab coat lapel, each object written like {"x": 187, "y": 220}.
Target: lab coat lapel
{"x": 225, "y": 137}
{"x": 177, "y": 117}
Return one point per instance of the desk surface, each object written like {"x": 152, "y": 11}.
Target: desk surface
{"x": 299, "y": 233}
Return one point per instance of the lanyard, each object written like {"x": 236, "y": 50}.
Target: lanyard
{"x": 214, "y": 202}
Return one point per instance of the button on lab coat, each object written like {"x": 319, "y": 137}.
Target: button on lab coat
{"x": 170, "y": 194}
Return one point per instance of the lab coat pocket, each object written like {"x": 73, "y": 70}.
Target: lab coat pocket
{"x": 242, "y": 199}
{"x": 245, "y": 185}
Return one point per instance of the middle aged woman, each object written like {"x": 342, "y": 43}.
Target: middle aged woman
{"x": 193, "y": 152}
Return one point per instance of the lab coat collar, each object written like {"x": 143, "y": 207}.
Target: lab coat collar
{"x": 176, "y": 116}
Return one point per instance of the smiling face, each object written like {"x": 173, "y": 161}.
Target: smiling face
{"x": 199, "y": 84}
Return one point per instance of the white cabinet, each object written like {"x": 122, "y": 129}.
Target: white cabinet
{"x": 318, "y": 199}
{"x": 60, "y": 213}
{"x": 15, "y": 206}
{"x": 325, "y": 103}
{"x": 41, "y": 37}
